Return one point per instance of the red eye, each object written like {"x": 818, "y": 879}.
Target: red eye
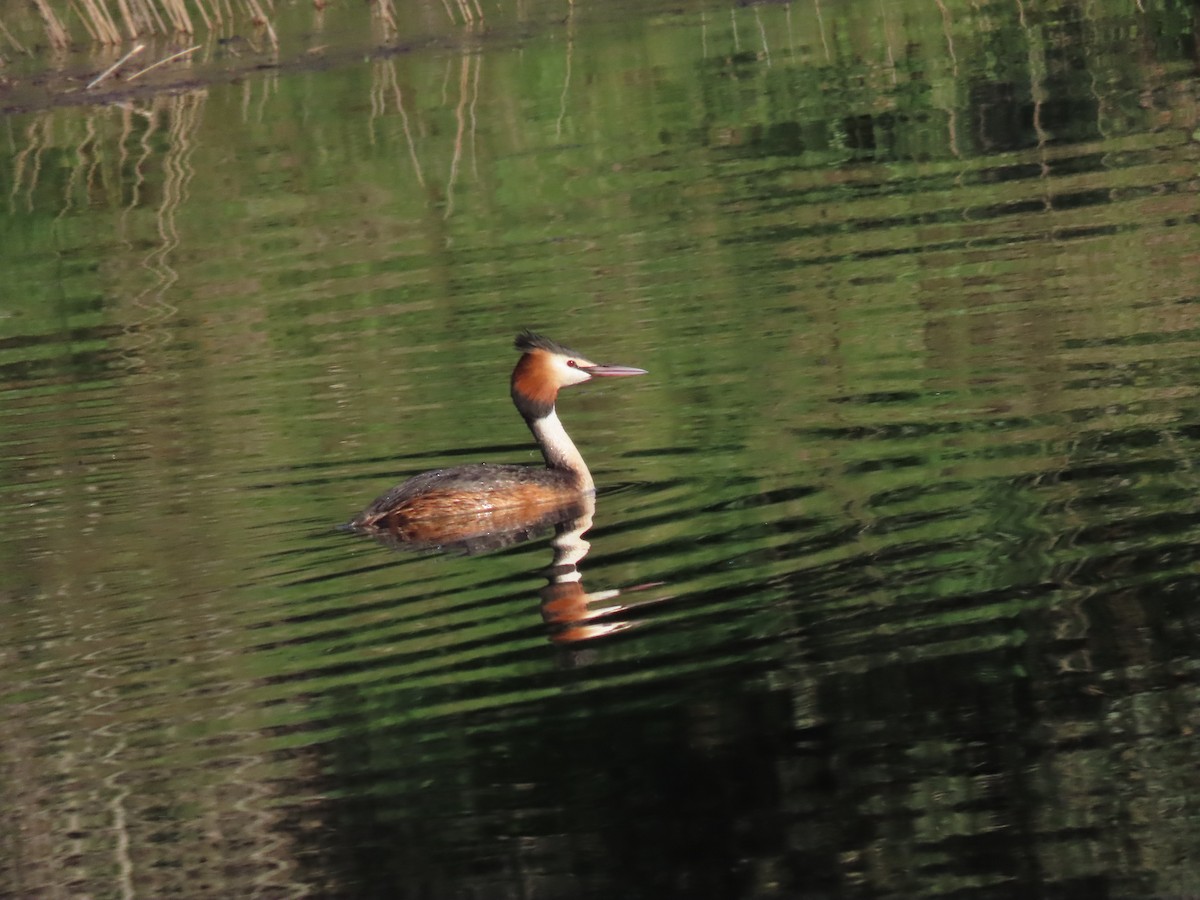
{"x": 572, "y": 364}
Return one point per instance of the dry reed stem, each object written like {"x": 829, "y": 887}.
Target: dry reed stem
{"x": 99, "y": 78}
{"x": 147, "y": 14}
{"x": 162, "y": 62}
{"x": 114, "y": 30}
{"x": 102, "y": 21}
{"x": 171, "y": 10}
{"x": 131, "y": 24}
{"x": 112, "y": 22}
{"x": 179, "y": 16}
{"x": 184, "y": 17}
{"x": 259, "y": 16}
{"x": 385, "y": 12}
{"x": 87, "y": 23}
{"x": 206, "y": 10}
{"x": 204, "y": 15}
{"x": 87, "y": 10}
{"x": 11, "y": 39}
{"x": 55, "y": 33}
{"x": 153, "y": 8}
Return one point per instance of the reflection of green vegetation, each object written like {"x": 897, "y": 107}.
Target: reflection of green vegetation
{"x": 850, "y": 245}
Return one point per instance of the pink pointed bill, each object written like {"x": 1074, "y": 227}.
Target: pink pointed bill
{"x": 612, "y": 371}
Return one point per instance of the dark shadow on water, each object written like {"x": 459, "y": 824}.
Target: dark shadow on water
{"x": 977, "y": 744}
{"x": 565, "y": 802}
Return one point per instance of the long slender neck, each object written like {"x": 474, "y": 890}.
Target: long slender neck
{"x": 559, "y": 450}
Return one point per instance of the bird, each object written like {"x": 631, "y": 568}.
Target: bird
{"x": 431, "y": 507}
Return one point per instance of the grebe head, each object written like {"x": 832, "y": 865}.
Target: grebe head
{"x": 546, "y": 366}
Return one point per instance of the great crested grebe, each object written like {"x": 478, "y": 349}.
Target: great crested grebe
{"x": 503, "y": 494}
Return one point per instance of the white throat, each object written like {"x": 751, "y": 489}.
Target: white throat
{"x": 560, "y": 451}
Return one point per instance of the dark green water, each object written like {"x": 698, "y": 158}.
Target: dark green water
{"x": 895, "y": 560}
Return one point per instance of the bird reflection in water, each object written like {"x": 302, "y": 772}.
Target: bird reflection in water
{"x": 571, "y": 613}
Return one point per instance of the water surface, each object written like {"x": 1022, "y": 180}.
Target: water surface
{"x": 890, "y": 580}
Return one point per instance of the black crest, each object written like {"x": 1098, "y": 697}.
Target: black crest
{"x": 528, "y": 340}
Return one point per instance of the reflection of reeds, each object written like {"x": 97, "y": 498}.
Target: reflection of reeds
{"x": 386, "y": 80}
{"x": 386, "y": 84}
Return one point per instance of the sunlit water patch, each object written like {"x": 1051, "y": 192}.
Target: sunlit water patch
{"x": 888, "y": 585}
